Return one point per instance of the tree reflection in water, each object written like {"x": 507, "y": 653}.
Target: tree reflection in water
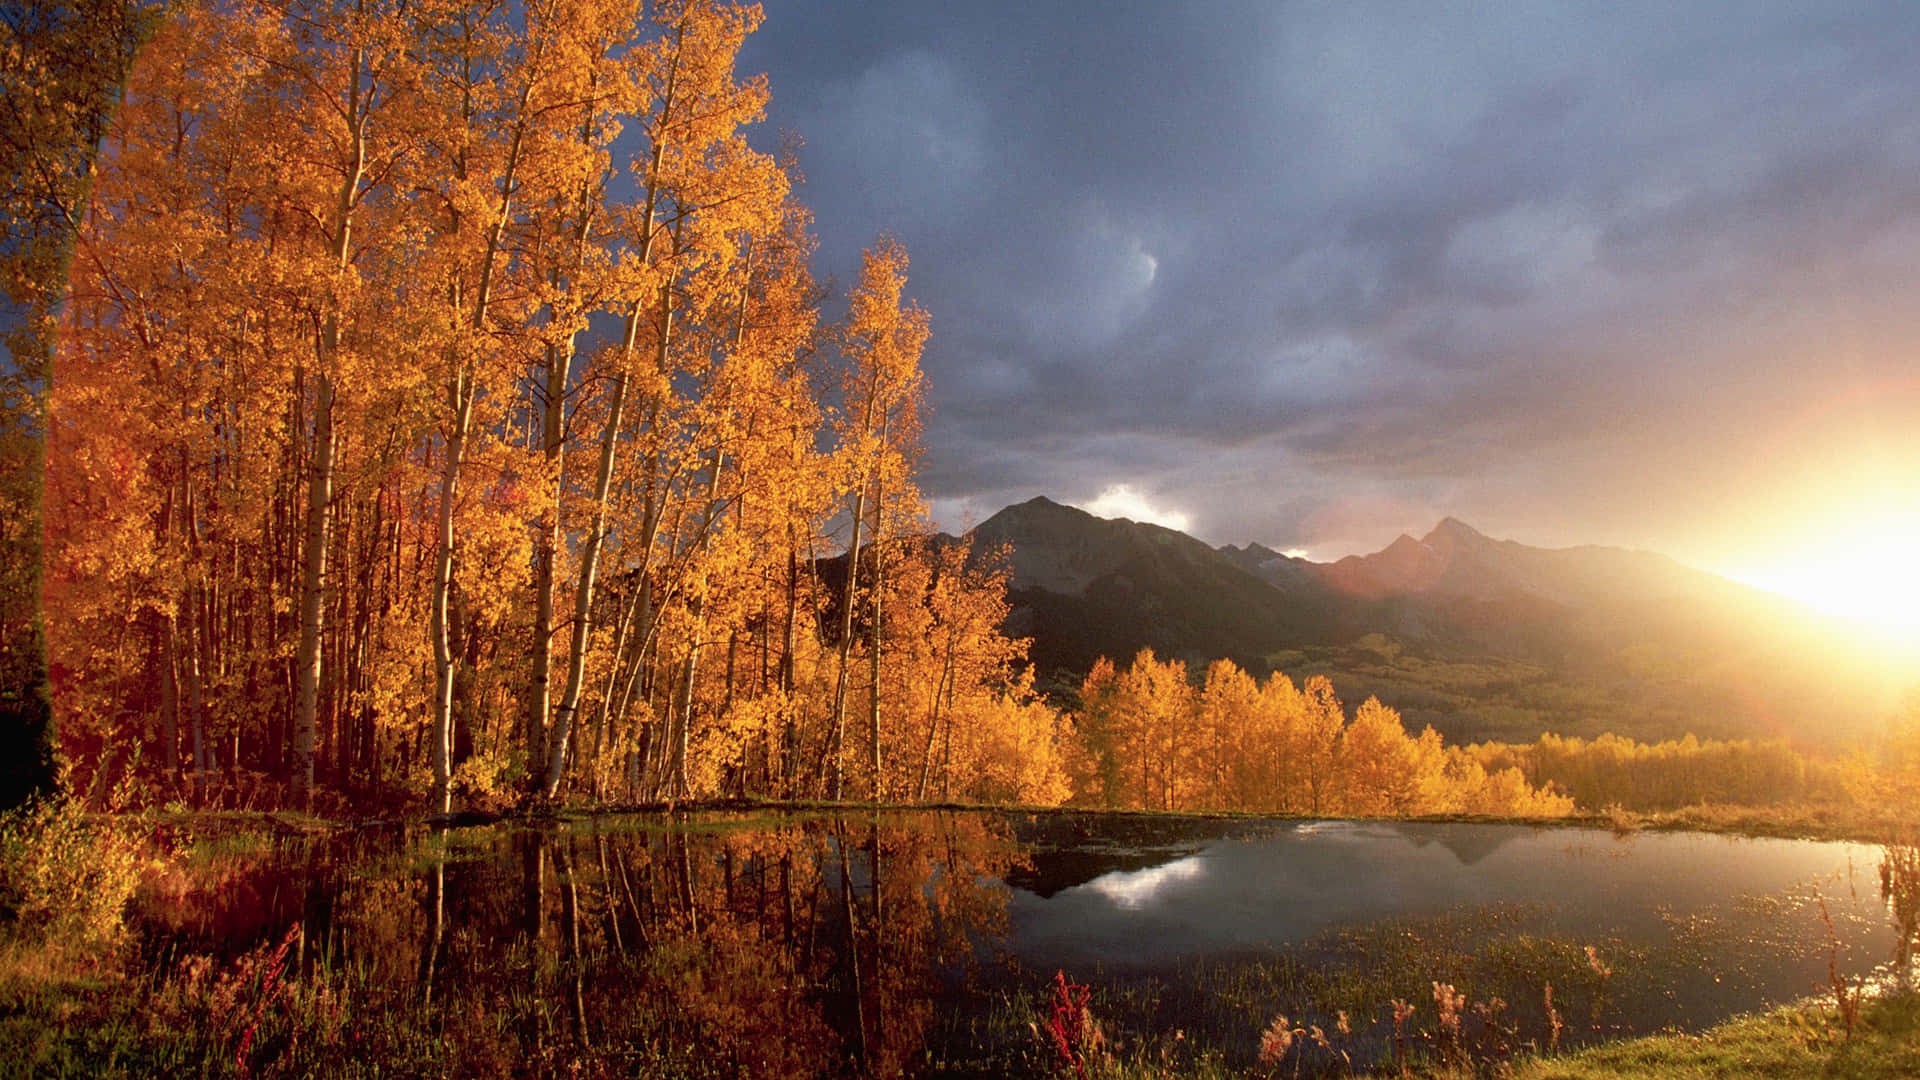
{"x": 784, "y": 947}
{"x": 823, "y": 945}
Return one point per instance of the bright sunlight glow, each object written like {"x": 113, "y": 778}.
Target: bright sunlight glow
{"x": 1866, "y": 569}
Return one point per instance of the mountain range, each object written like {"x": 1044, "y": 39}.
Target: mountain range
{"x": 1481, "y": 638}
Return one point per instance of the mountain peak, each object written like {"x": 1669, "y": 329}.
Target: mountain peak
{"x": 1033, "y": 511}
{"x": 1583, "y": 624}
{"x": 1454, "y": 528}
{"x": 1403, "y": 543}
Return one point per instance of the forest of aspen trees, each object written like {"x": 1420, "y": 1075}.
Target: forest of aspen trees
{"x": 443, "y": 405}
{"x": 1148, "y": 737}
{"x": 442, "y": 410}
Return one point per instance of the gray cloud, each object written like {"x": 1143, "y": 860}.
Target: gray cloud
{"x": 1314, "y": 274}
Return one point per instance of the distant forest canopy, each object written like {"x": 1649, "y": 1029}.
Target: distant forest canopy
{"x": 1157, "y": 736}
{"x": 1150, "y": 738}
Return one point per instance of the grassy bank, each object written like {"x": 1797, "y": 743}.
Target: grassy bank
{"x": 1804, "y": 1040}
{"x": 1867, "y": 824}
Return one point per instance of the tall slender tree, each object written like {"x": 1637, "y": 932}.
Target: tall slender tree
{"x": 879, "y": 423}
{"x": 348, "y": 70}
{"x": 701, "y": 186}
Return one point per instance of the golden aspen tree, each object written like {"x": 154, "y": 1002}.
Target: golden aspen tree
{"x": 1145, "y": 737}
{"x": 777, "y": 490}
{"x": 878, "y": 423}
{"x": 164, "y": 351}
{"x": 1134, "y": 727}
{"x": 1014, "y": 756}
{"x": 1164, "y": 700}
{"x": 698, "y": 180}
{"x": 509, "y": 99}
{"x": 468, "y": 240}
{"x": 898, "y": 651}
{"x": 103, "y": 355}
{"x": 729, "y": 371}
{"x": 757, "y": 419}
{"x": 1312, "y": 740}
{"x": 328, "y": 342}
{"x": 571, "y": 246}
{"x": 269, "y": 328}
{"x": 751, "y": 395}
{"x": 1381, "y": 770}
{"x": 1096, "y": 762}
{"x": 945, "y": 670}
{"x": 346, "y": 71}
{"x": 966, "y": 654}
{"x": 1267, "y": 762}
{"x": 1228, "y": 727}
{"x": 1502, "y": 792}
{"x": 1434, "y": 792}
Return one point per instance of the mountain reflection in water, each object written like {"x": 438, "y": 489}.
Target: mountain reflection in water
{"x": 1267, "y": 886}
{"x": 922, "y": 942}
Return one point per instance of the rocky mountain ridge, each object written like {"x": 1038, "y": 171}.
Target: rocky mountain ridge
{"x": 1481, "y": 637}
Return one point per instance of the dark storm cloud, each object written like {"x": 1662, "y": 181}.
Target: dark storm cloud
{"x": 1270, "y": 263}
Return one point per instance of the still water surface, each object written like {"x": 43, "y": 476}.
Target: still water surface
{"x": 925, "y": 943}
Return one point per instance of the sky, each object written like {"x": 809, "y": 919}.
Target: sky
{"x": 1313, "y": 275}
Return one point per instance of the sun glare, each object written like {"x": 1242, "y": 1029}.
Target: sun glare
{"x": 1863, "y": 570}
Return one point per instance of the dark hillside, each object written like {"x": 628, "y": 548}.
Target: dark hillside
{"x": 1482, "y": 638}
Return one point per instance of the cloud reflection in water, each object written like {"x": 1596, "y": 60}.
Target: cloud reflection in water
{"x": 1135, "y": 889}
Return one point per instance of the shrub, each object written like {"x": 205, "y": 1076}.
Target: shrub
{"x": 66, "y": 879}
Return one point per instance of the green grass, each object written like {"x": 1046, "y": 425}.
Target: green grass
{"x": 1804, "y": 1040}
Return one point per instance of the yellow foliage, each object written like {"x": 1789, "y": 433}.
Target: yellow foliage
{"x": 1145, "y": 737}
{"x": 1668, "y": 775}
{"x": 1012, "y": 754}
{"x": 65, "y": 878}
{"x": 299, "y": 469}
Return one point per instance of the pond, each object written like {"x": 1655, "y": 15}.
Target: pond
{"x": 934, "y": 943}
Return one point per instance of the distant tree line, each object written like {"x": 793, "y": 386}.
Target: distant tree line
{"x": 1153, "y": 736}
{"x": 1881, "y": 775}
{"x": 1671, "y": 774}
{"x": 1149, "y": 737}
